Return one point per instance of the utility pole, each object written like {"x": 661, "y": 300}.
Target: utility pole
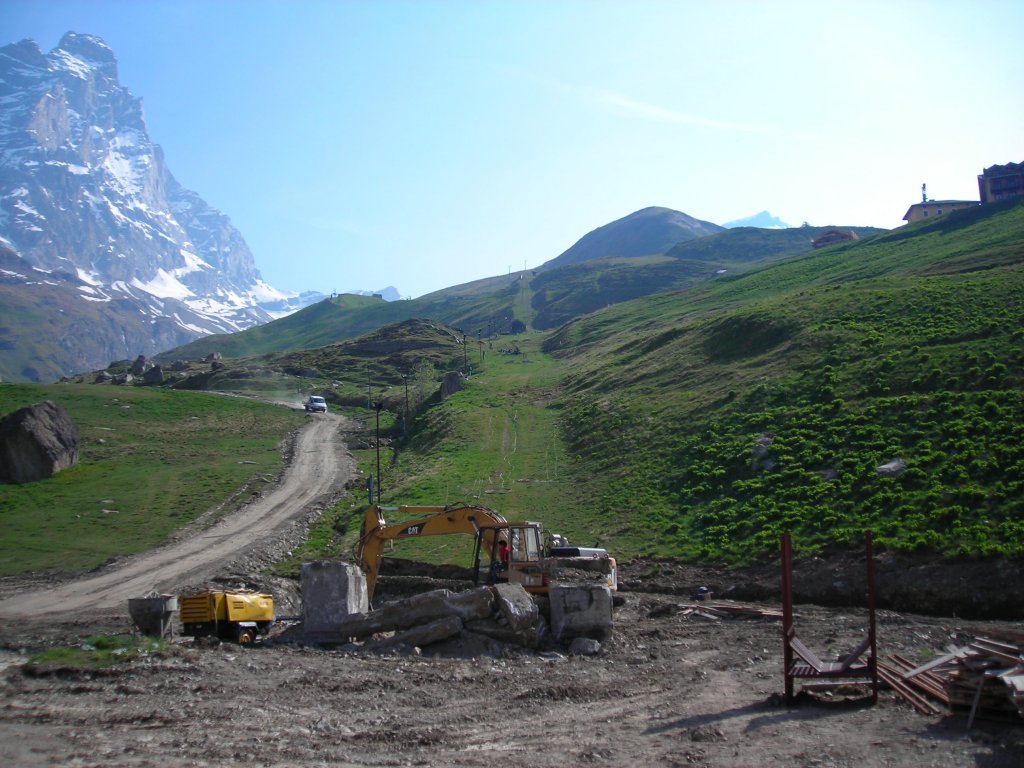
{"x": 405, "y": 417}
{"x": 378, "y": 406}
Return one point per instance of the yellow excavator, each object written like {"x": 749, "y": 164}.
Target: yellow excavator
{"x": 503, "y": 550}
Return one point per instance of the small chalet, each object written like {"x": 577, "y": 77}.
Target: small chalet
{"x": 929, "y": 208}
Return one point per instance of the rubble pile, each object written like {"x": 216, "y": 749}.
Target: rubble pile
{"x": 504, "y": 613}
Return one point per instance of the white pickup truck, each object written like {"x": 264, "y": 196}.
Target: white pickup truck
{"x": 316, "y": 404}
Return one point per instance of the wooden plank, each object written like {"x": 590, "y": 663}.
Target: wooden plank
{"x": 938, "y": 661}
{"x": 891, "y": 677}
{"x": 1011, "y": 657}
{"x": 806, "y": 653}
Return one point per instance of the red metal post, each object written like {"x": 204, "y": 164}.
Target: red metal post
{"x": 873, "y": 661}
{"x": 787, "y": 612}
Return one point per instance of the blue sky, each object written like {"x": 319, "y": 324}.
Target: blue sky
{"x": 424, "y": 144}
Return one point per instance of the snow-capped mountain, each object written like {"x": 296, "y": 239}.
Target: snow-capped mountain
{"x": 762, "y": 220}
{"x": 87, "y": 201}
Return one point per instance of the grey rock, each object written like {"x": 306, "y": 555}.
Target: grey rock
{"x": 451, "y": 384}
{"x": 584, "y": 646}
{"x": 153, "y": 376}
{"x": 891, "y": 468}
{"x": 37, "y": 442}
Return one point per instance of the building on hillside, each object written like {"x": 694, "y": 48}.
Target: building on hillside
{"x": 1001, "y": 182}
{"x": 929, "y": 208}
{"x": 833, "y": 236}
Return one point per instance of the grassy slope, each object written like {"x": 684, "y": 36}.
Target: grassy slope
{"x": 486, "y": 307}
{"x": 496, "y": 443}
{"x": 907, "y": 346}
{"x": 639, "y": 432}
{"x": 150, "y": 461}
{"x": 479, "y": 308}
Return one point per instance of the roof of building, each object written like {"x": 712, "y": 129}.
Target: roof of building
{"x": 996, "y": 170}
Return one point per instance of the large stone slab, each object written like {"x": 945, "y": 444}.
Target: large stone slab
{"x": 531, "y": 636}
{"x": 418, "y": 636}
{"x": 581, "y": 610}
{"x": 332, "y": 591}
{"x": 419, "y": 609}
{"x": 516, "y": 605}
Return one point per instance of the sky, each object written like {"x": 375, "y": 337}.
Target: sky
{"x": 428, "y": 143}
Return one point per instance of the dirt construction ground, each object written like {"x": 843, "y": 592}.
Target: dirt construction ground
{"x": 668, "y": 689}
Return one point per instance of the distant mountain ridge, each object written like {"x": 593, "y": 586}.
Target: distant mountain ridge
{"x": 647, "y": 232}
{"x": 87, "y": 201}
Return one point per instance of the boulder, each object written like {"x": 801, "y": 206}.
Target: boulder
{"x": 891, "y": 468}
{"x": 584, "y": 646}
{"x": 37, "y": 442}
{"x": 140, "y": 366}
{"x": 153, "y": 376}
{"x": 761, "y": 459}
{"x": 515, "y": 605}
{"x": 451, "y": 383}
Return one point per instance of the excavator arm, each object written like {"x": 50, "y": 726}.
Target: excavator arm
{"x": 465, "y": 519}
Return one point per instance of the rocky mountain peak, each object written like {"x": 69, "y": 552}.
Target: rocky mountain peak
{"x": 85, "y": 193}
{"x": 90, "y": 50}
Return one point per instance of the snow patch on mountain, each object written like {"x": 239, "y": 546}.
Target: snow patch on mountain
{"x": 762, "y": 220}
{"x": 85, "y": 193}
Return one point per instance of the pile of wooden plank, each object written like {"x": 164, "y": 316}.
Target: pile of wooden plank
{"x": 989, "y": 678}
{"x": 985, "y": 677}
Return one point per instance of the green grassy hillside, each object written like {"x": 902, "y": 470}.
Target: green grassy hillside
{"x": 723, "y": 415}
{"x": 150, "y": 461}
{"x": 405, "y": 358}
{"x": 482, "y": 307}
{"x": 750, "y": 245}
{"x": 647, "y": 232}
{"x": 543, "y": 299}
{"x": 695, "y": 424}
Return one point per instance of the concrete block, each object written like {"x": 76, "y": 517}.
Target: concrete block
{"x": 331, "y": 592}
{"x": 581, "y": 610}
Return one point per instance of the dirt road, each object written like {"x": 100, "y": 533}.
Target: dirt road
{"x": 321, "y": 465}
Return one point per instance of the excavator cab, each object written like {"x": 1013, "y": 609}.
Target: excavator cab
{"x": 514, "y": 553}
